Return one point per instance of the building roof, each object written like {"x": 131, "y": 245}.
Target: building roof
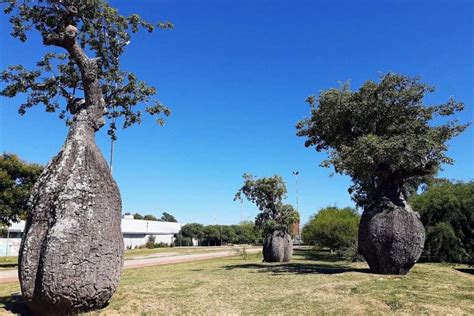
{"x": 138, "y": 226}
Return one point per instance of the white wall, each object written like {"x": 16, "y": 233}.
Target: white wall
{"x": 13, "y": 246}
{"x": 135, "y": 233}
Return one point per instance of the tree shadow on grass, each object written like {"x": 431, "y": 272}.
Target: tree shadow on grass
{"x": 9, "y": 265}
{"x": 296, "y": 268}
{"x": 320, "y": 255}
{"x": 468, "y": 271}
{"x": 14, "y": 304}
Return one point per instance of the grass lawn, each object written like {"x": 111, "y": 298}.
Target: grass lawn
{"x": 131, "y": 253}
{"x": 305, "y": 285}
{"x": 7, "y": 263}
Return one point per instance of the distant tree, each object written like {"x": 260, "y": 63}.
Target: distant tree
{"x": 150, "y": 217}
{"x": 447, "y": 212}
{"x": 247, "y": 233}
{"x": 212, "y": 235}
{"x": 16, "y": 182}
{"x": 229, "y": 234}
{"x": 166, "y": 217}
{"x": 274, "y": 218}
{"x": 137, "y": 216}
{"x": 181, "y": 241}
{"x": 333, "y": 228}
{"x": 381, "y": 136}
{"x": 193, "y": 231}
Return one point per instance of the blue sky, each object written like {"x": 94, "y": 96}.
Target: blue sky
{"x": 235, "y": 75}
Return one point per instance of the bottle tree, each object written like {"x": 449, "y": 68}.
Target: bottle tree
{"x": 383, "y": 138}
{"x": 275, "y": 218}
{"x": 72, "y": 248}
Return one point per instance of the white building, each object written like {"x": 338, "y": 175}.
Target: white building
{"x": 135, "y": 233}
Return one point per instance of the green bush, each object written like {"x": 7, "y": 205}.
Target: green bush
{"x": 334, "y": 228}
{"x": 150, "y": 244}
{"x": 447, "y": 212}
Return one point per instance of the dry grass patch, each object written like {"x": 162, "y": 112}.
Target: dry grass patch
{"x": 304, "y": 286}
{"x": 8, "y": 263}
{"x": 170, "y": 251}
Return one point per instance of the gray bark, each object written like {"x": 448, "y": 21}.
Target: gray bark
{"x": 72, "y": 247}
{"x": 391, "y": 236}
{"x": 277, "y": 247}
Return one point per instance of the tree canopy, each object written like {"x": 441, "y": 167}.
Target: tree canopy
{"x": 65, "y": 82}
{"x": 212, "y": 235}
{"x": 268, "y": 194}
{"x": 333, "y": 228}
{"x": 167, "y": 217}
{"x": 16, "y": 182}
{"x": 381, "y": 135}
{"x": 447, "y": 212}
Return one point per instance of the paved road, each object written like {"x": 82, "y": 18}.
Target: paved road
{"x": 8, "y": 276}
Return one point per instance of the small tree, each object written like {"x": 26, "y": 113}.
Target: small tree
{"x": 333, "y": 228}
{"x": 193, "y": 231}
{"x": 275, "y": 218}
{"x": 381, "y": 136}
{"x": 16, "y": 182}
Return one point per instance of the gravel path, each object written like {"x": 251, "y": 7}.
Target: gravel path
{"x": 8, "y": 276}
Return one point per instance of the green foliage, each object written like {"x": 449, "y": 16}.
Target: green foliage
{"x": 193, "y": 230}
{"x": 150, "y": 217}
{"x": 57, "y": 80}
{"x": 268, "y": 195}
{"x": 16, "y": 182}
{"x": 137, "y": 216}
{"x": 447, "y": 212}
{"x": 167, "y": 217}
{"x": 181, "y": 241}
{"x": 333, "y": 228}
{"x": 381, "y": 135}
{"x": 150, "y": 244}
{"x": 214, "y": 235}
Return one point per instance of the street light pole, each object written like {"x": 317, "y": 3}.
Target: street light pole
{"x": 296, "y": 173}
{"x": 241, "y": 210}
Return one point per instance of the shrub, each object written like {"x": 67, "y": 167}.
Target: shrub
{"x": 150, "y": 244}
{"x": 333, "y": 228}
{"x": 447, "y": 211}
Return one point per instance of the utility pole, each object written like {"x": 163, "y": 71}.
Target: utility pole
{"x": 241, "y": 210}
{"x": 296, "y": 173}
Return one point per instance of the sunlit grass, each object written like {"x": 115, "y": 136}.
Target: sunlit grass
{"x": 131, "y": 253}
{"x": 237, "y": 286}
{"x": 7, "y": 263}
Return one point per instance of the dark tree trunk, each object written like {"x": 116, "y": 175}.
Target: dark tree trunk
{"x": 391, "y": 236}
{"x": 277, "y": 247}
{"x": 72, "y": 247}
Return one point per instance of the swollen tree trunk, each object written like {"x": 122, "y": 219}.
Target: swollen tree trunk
{"x": 277, "y": 247}
{"x": 391, "y": 236}
{"x": 72, "y": 247}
